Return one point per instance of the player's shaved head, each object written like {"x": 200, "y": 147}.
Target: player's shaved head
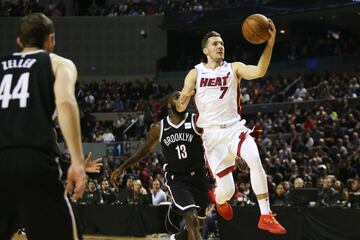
{"x": 172, "y": 103}
{"x": 173, "y": 97}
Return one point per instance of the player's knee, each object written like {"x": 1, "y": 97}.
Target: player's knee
{"x": 191, "y": 219}
{"x": 257, "y": 163}
{"x": 230, "y": 191}
{"x": 253, "y": 161}
{"x": 250, "y": 153}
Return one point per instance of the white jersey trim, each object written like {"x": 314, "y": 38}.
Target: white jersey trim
{"x": 161, "y": 129}
{"x": 164, "y": 167}
{"x": 234, "y": 73}
{"x": 194, "y": 125}
{"x": 72, "y": 217}
{"x": 27, "y": 53}
{"x": 180, "y": 124}
{"x": 210, "y": 69}
{"x": 73, "y": 222}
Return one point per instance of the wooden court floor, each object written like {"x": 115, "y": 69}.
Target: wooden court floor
{"x": 20, "y": 237}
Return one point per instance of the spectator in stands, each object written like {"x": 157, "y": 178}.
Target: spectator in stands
{"x": 244, "y": 195}
{"x": 108, "y": 136}
{"x": 97, "y": 137}
{"x": 107, "y": 195}
{"x": 322, "y": 170}
{"x": 157, "y": 194}
{"x": 287, "y": 186}
{"x": 245, "y": 97}
{"x": 139, "y": 194}
{"x": 126, "y": 192}
{"x": 308, "y": 183}
{"x": 118, "y": 105}
{"x": 355, "y": 141}
{"x": 89, "y": 98}
{"x": 92, "y": 194}
{"x": 285, "y": 152}
{"x": 300, "y": 93}
{"x": 327, "y": 195}
{"x": 353, "y": 185}
{"x": 298, "y": 183}
{"x": 343, "y": 192}
{"x": 60, "y": 9}
{"x": 279, "y": 198}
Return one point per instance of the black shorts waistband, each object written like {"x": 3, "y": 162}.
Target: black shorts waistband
{"x": 193, "y": 172}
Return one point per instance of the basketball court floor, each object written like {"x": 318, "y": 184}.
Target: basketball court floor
{"x": 20, "y": 237}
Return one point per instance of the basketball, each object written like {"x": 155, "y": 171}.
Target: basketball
{"x": 256, "y": 29}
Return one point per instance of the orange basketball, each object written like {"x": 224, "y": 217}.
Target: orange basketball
{"x": 255, "y": 29}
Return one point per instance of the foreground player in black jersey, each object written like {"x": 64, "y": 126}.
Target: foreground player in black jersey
{"x": 33, "y": 83}
{"x": 186, "y": 175}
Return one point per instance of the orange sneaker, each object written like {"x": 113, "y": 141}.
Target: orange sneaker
{"x": 225, "y": 210}
{"x": 268, "y": 222}
{"x": 211, "y": 194}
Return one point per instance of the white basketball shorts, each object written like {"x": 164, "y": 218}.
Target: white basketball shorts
{"x": 221, "y": 145}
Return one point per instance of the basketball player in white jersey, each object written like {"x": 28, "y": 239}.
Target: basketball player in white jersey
{"x": 225, "y": 137}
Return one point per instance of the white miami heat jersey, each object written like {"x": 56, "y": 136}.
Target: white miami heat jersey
{"x": 217, "y": 95}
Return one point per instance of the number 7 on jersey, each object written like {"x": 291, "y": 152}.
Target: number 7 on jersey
{"x": 224, "y": 90}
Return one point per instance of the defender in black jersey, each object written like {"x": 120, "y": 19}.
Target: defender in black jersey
{"x": 33, "y": 83}
{"x": 186, "y": 174}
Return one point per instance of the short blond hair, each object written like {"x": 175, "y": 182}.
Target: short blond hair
{"x": 207, "y": 36}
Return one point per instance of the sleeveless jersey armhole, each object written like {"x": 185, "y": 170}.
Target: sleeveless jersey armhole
{"x": 193, "y": 124}
{"x": 161, "y": 129}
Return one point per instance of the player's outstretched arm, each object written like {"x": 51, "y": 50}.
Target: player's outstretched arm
{"x": 187, "y": 91}
{"x": 250, "y": 72}
{"x": 69, "y": 120}
{"x": 150, "y": 142}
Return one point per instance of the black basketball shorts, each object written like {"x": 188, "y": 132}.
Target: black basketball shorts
{"x": 189, "y": 191}
{"x": 32, "y": 197}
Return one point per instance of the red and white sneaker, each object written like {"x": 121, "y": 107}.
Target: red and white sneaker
{"x": 225, "y": 210}
{"x": 269, "y": 223}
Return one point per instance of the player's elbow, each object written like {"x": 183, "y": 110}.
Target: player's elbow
{"x": 65, "y": 101}
{"x": 66, "y": 108}
{"x": 262, "y": 74}
{"x": 261, "y": 71}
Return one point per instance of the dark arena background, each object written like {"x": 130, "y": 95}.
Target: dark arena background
{"x": 131, "y": 54}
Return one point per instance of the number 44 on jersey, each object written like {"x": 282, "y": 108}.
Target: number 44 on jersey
{"x": 20, "y": 90}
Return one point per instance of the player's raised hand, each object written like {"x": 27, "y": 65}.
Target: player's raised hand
{"x": 92, "y": 166}
{"x": 272, "y": 32}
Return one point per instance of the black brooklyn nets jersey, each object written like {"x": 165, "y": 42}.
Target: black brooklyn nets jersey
{"x": 27, "y": 102}
{"x": 181, "y": 145}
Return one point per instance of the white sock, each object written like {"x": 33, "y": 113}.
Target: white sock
{"x": 264, "y": 206}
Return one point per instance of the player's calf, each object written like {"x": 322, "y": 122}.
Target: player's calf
{"x": 193, "y": 225}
